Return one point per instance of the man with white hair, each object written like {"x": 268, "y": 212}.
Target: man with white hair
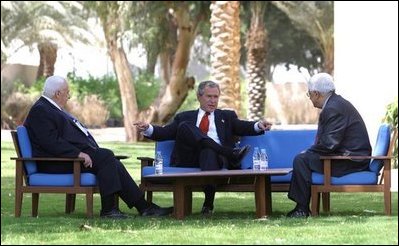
{"x": 55, "y": 133}
{"x": 341, "y": 131}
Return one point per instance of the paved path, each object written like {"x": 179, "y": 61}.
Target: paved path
{"x": 118, "y": 134}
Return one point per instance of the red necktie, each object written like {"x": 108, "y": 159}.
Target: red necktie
{"x": 204, "y": 124}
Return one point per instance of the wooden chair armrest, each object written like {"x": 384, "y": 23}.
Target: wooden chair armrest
{"x": 121, "y": 157}
{"x": 47, "y": 159}
{"x": 327, "y": 161}
{"x": 146, "y": 161}
{"x": 340, "y": 157}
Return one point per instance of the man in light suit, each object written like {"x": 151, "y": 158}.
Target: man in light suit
{"x": 210, "y": 149}
{"x": 55, "y": 133}
{"x": 341, "y": 131}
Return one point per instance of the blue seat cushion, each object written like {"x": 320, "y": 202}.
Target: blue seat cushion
{"x": 46, "y": 179}
{"x": 281, "y": 146}
{"x": 358, "y": 178}
{"x": 281, "y": 178}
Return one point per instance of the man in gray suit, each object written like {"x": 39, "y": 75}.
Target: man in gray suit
{"x": 341, "y": 131}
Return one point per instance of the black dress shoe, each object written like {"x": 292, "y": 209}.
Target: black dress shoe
{"x": 298, "y": 213}
{"x": 155, "y": 210}
{"x": 113, "y": 214}
{"x": 238, "y": 155}
{"x": 206, "y": 211}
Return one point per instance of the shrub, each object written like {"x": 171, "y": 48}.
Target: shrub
{"x": 16, "y": 108}
{"x": 91, "y": 111}
{"x": 106, "y": 88}
{"x": 391, "y": 117}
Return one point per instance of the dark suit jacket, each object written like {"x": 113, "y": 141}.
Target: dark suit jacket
{"x": 228, "y": 127}
{"x": 53, "y": 133}
{"x": 341, "y": 131}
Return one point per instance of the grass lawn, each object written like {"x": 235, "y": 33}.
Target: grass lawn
{"x": 356, "y": 218}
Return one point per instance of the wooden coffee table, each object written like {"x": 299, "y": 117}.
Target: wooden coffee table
{"x": 182, "y": 192}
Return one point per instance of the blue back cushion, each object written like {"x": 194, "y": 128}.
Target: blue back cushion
{"x": 381, "y": 147}
{"x": 281, "y": 146}
{"x": 26, "y": 150}
{"x": 166, "y": 148}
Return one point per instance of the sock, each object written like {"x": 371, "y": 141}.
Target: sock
{"x": 209, "y": 143}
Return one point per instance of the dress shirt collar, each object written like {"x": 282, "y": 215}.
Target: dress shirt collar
{"x": 201, "y": 113}
{"x": 52, "y": 102}
{"x": 325, "y": 102}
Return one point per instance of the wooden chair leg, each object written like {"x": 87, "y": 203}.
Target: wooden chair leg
{"x": 35, "y": 204}
{"x": 315, "y": 202}
{"x": 73, "y": 202}
{"x": 149, "y": 196}
{"x": 326, "y": 201}
{"x": 70, "y": 203}
{"x": 18, "y": 203}
{"x": 89, "y": 204}
{"x": 387, "y": 201}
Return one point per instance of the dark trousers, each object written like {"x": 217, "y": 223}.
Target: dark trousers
{"x": 112, "y": 177}
{"x": 191, "y": 153}
{"x": 305, "y": 164}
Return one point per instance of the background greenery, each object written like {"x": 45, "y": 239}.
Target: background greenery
{"x": 354, "y": 219}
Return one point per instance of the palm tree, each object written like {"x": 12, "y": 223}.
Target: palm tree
{"x": 45, "y": 24}
{"x": 256, "y": 56}
{"x": 317, "y": 19}
{"x": 225, "y": 51}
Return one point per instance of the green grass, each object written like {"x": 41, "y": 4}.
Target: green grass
{"x": 355, "y": 218}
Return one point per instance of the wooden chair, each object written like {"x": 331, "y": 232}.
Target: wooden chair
{"x": 365, "y": 181}
{"x": 29, "y": 180}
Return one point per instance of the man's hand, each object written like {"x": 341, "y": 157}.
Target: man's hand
{"x": 141, "y": 126}
{"x": 88, "y": 162}
{"x": 264, "y": 125}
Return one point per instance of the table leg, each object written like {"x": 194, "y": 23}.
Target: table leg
{"x": 260, "y": 199}
{"x": 179, "y": 199}
{"x": 268, "y": 195}
{"x": 263, "y": 196}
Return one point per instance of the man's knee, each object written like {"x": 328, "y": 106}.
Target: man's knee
{"x": 300, "y": 160}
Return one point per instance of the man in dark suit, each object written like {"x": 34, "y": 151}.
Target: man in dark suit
{"x": 55, "y": 133}
{"x": 341, "y": 131}
{"x": 206, "y": 137}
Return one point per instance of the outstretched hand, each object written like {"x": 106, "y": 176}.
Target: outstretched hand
{"x": 264, "y": 125}
{"x": 141, "y": 126}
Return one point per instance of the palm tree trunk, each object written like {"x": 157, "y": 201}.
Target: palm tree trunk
{"x": 256, "y": 69}
{"x": 48, "y": 57}
{"x": 225, "y": 52}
